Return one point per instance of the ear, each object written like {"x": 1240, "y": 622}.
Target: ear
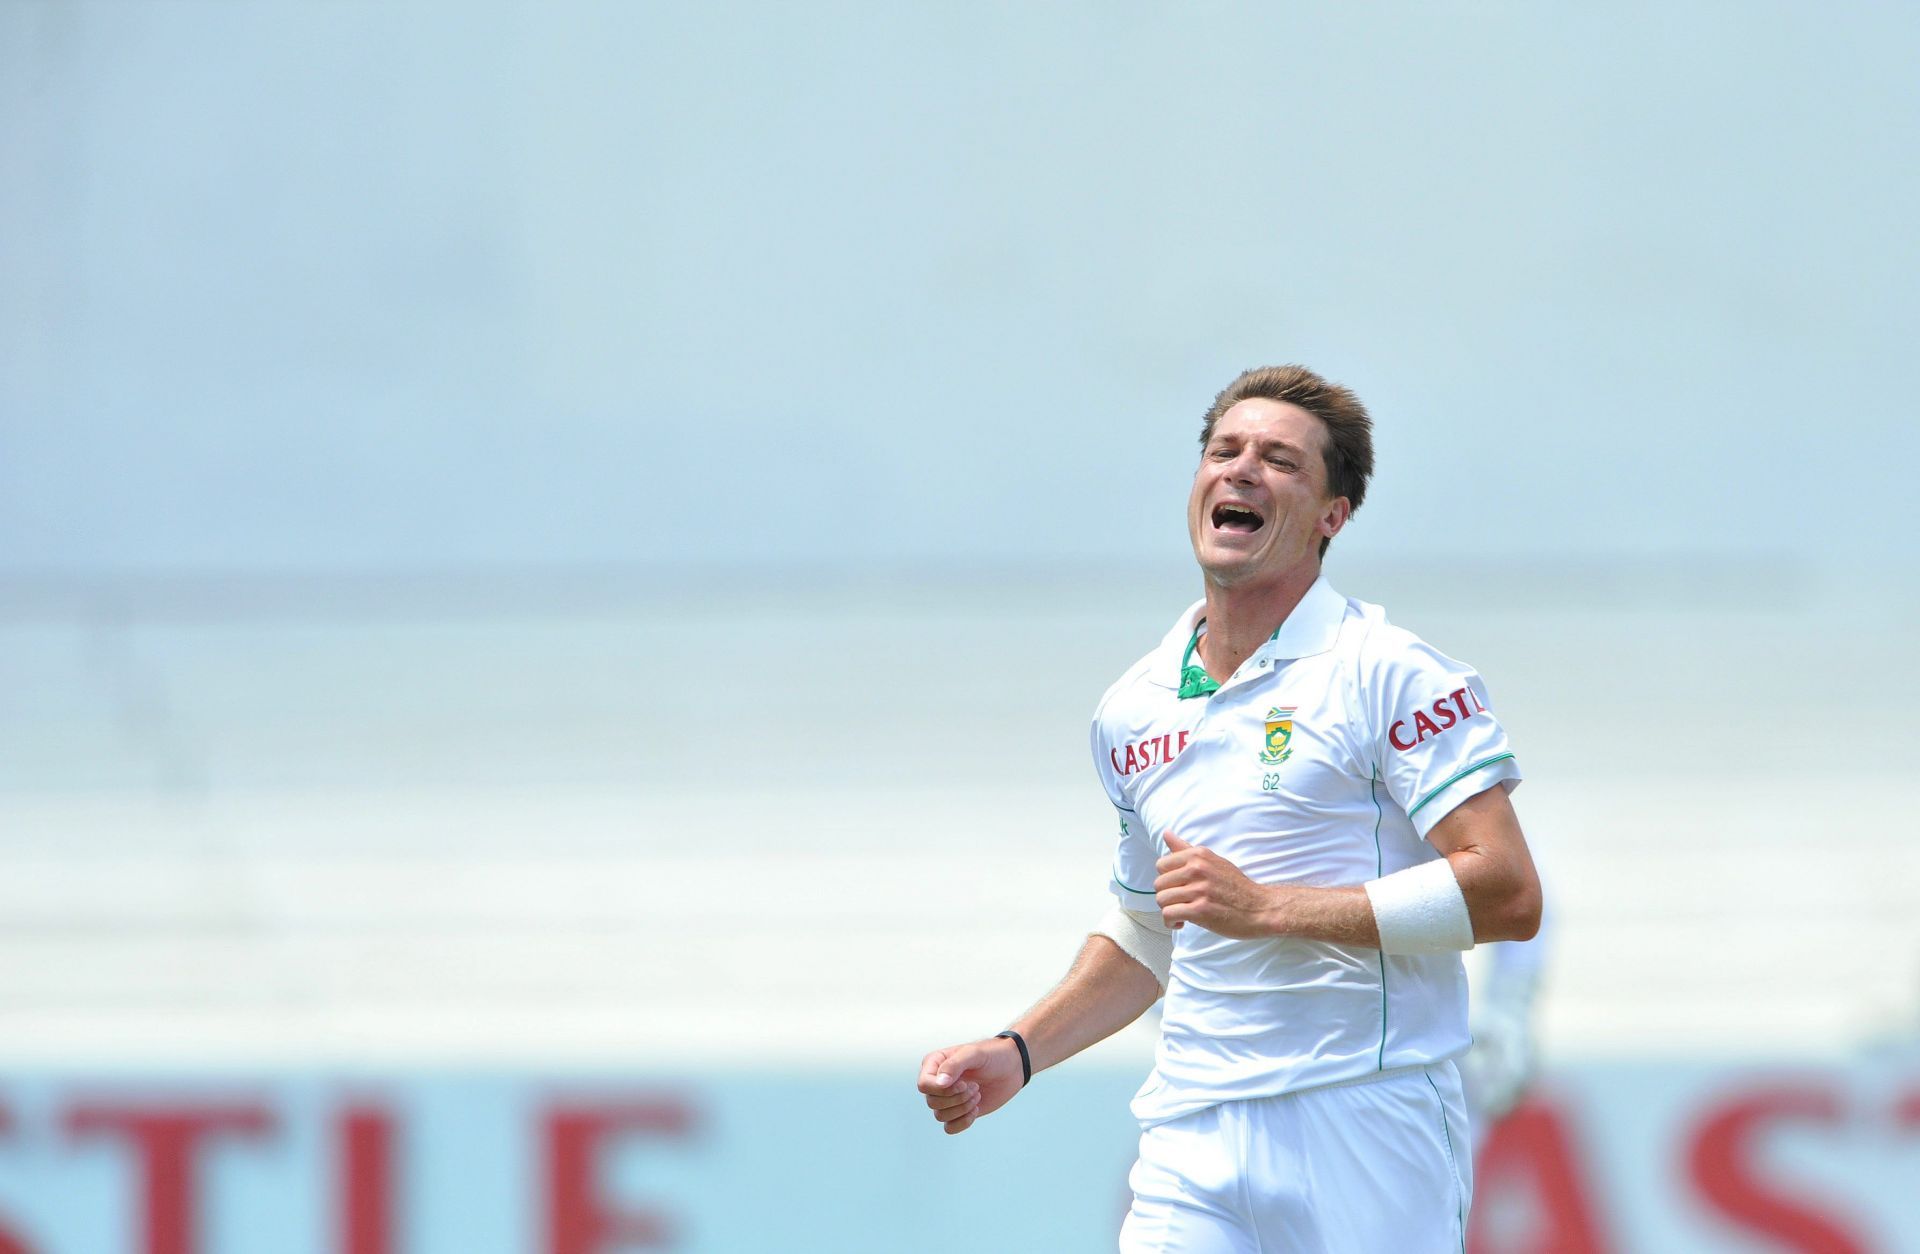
{"x": 1335, "y": 516}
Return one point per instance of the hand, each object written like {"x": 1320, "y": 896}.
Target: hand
{"x": 1499, "y": 1067}
{"x": 1200, "y": 886}
{"x": 964, "y": 1082}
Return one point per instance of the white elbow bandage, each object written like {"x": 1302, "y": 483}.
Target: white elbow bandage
{"x": 1421, "y": 910}
{"x": 1142, "y": 937}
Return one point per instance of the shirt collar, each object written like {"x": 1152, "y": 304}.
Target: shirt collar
{"x": 1311, "y": 628}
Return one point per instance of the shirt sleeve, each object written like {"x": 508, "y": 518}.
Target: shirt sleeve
{"x": 1435, "y": 738}
{"x": 1136, "y": 851}
{"x": 1133, "y": 866}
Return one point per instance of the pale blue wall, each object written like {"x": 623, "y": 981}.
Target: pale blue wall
{"x": 343, "y": 284}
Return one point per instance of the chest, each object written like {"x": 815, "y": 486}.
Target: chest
{"x": 1259, "y": 771}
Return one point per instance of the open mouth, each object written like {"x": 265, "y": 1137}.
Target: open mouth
{"x": 1237, "y": 518}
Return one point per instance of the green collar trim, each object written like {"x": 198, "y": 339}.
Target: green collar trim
{"x": 1194, "y": 680}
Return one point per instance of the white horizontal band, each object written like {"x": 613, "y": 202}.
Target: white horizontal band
{"x": 1140, "y": 939}
{"x": 1421, "y": 910}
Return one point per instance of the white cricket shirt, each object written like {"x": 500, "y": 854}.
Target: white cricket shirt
{"x": 1325, "y": 760}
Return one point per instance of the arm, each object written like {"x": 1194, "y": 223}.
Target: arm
{"x": 1480, "y": 839}
{"x": 1103, "y": 991}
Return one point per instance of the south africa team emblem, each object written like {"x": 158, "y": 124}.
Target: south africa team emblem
{"x": 1279, "y": 734}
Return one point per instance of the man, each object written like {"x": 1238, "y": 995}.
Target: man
{"x": 1313, "y": 824}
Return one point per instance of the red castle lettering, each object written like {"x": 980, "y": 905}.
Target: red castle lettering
{"x": 1153, "y": 751}
{"x": 1443, "y": 717}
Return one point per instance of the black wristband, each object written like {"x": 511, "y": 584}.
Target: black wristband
{"x": 1026, "y": 1059}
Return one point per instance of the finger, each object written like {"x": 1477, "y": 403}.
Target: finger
{"x": 1175, "y": 844}
{"x": 1185, "y": 871}
{"x": 931, "y": 1078}
{"x": 952, "y": 1066}
{"x": 958, "y": 1125}
{"x": 961, "y": 1096}
{"x": 1178, "y": 895}
{"x": 966, "y": 1110}
{"x": 944, "y": 1068}
{"x": 1175, "y": 861}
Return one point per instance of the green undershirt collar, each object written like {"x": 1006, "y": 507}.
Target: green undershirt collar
{"x": 1194, "y": 680}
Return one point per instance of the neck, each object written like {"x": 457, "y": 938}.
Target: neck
{"x": 1242, "y": 617}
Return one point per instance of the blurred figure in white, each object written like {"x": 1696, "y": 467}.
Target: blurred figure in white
{"x": 1504, "y": 979}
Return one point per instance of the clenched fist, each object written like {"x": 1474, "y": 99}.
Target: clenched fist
{"x": 1199, "y": 886}
{"x": 965, "y": 1082}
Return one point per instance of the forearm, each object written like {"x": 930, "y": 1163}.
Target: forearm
{"x": 1103, "y": 991}
{"x": 1343, "y": 916}
{"x": 1484, "y": 890}
{"x": 1498, "y": 907}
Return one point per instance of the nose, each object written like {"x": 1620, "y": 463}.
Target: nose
{"x": 1240, "y": 470}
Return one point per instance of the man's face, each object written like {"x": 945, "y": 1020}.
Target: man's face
{"x": 1260, "y": 503}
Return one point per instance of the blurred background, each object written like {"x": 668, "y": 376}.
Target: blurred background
{"x": 555, "y": 560}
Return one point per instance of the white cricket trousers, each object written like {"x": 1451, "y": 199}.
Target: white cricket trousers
{"x": 1379, "y": 1167}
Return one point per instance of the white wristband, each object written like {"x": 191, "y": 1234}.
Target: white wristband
{"x": 1421, "y": 910}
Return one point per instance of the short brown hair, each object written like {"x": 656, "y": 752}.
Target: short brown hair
{"x": 1349, "y": 443}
